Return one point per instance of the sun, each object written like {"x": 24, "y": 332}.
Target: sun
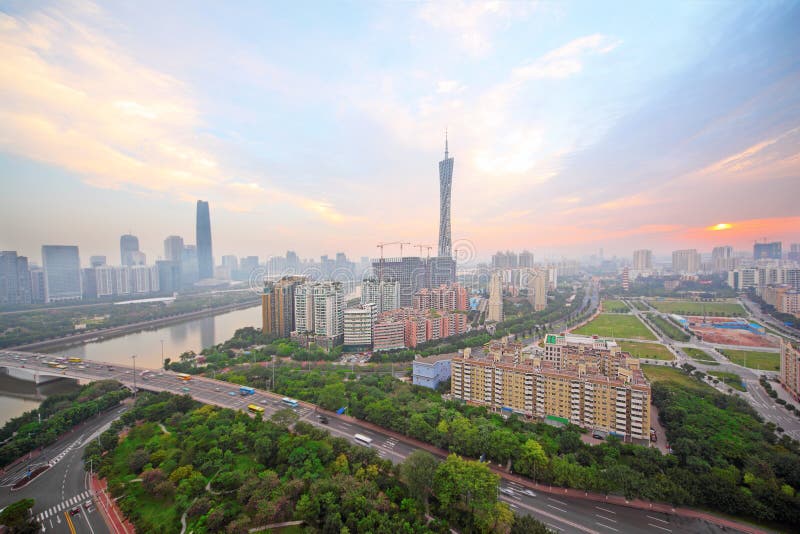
{"x": 721, "y": 226}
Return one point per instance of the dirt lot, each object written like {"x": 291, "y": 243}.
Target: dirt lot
{"x": 729, "y": 336}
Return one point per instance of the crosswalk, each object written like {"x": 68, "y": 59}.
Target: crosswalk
{"x": 302, "y": 412}
{"x": 68, "y": 503}
{"x": 390, "y": 443}
{"x": 53, "y": 461}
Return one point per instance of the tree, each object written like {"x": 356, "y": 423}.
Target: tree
{"x": 526, "y": 524}
{"x": 284, "y": 417}
{"x": 532, "y": 459}
{"x": 418, "y": 472}
{"x": 18, "y": 518}
{"x": 468, "y": 486}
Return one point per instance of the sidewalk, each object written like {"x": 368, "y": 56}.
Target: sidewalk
{"x": 108, "y": 508}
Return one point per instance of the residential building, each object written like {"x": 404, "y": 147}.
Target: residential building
{"x": 441, "y": 270}
{"x": 189, "y": 267}
{"x": 137, "y": 257}
{"x": 525, "y": 259}
{"x": 62, "y": 273}
{"x": 686, "y": 261}
{"x": 535, "y": 281}
{"x": 722, "y": 259}
{"x": 593, "y": 388}
{"x": 127, "y": 245}
{"x": 15, "y": 279}
{"x": 790, "y": 368}
{"x": 388, "y": 334}
{"x": 144, "y": 279}
{"x": 37, "y": 286}
{"x": 411, "y": 272}
{"x": 278, "y": 306}
{"x": 642, "y": 260}
{"x": 247, "y": 266}
{"x": 794, "y": 252}
{"x": 445, "y": 186}
{"x": 385, "y": 295}
{"x": 97, "y": 261}
{"x": 173, "y": 248}
{"x": 442, "y": 298}
{"x": 505, "y": 260}
{"x": 431, "y": 371}
{"x": 423, "y": 325}
{"x": 626, "y": 280}
{"x": 88, "y": 284}
{"x": 169, "y": 275}
{"x": 770, "y": 251}
{"x": 231, "y": 262}
{"x": 743, "y": 279}
{"x": 494, "y": 312}
{"x": 104, "y": 281}
{"x": 358, "y": 325}
{"x": 319, "y": 312}
{"x": 123, "y": 285}
{"x": 205, "y": 256}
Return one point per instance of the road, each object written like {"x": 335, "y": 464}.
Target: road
{"x": 561, "y": 513}
{"x": 65, "y": 486}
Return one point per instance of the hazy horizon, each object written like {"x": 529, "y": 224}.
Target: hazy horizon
{"x": 574, "y": 126}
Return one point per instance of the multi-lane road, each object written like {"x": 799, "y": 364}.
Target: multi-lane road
{"x": 63, "y": 486}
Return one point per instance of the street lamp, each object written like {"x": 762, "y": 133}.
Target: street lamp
{"x": 133, "y": 357}
{"x": 162, "y": 353}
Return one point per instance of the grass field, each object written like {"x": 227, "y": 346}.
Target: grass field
{"x": 662, "y": 373}
{"x": 616, "y": 325}
{"x": 615, "y": 306}
{"x": 639, "y": 305}
{"x": 670, "y": 329}
{"x": 730, "y": 379}
{"x": 700, "y": 356}
{"x": 685, "y": 307}
{"x": 653, "y": 351}
{"x": 766, "y": 361}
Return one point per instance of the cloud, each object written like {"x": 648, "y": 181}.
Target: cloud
{"x": 449, "y": 87}
{"x": 471, "y": 24}
{"x": 567, "y": 60}
{"x": 70, "y": 97}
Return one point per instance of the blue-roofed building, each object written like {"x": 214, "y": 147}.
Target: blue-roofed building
{"x": 431, "y": 371}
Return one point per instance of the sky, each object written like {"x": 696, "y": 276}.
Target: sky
{"x": 318, "y": 126}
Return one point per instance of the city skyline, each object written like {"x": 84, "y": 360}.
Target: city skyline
{"x": 563, "y": 117}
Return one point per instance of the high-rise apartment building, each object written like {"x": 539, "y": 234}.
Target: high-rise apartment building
{"x": 722, "y": 259}
{"x": 442, "y": 298}
{"x": 794, "y": 252}
{"x": 790, "y": 368}
{"x": 37, "y": 286}
{"x": 247, "y": 266}
{"x": 494, "y": 311}
{"x": 505, "y": 260}
{"x": 602, "y": 389}
{"x": 15, "y": 280}
{"x": 410, "y": 272}
{"x": 97, "y": 261}
{"x": 767, "y": 251}
{"x": 358, "y": 325}
{"x": 205, "y": 257}
{"x": 319, "y": 312}
{"x": 189, "y": 268}
{"x": 686, "y": 261}
{"x": 144, "y": 279}
{"x": 642, "y": 260}
{"x": 169, "y": 276}
{"x": 62, "y": 273}
{"x": 535, "y": 280}
{"x": 277, "y": 306}
{"x": 445, "y": 186}
{"x": 385, "y": 295}
{"x": 104, "y": 281}
{"x": 173, "y": 248}
{"x": 128, "y": 244}
{"x": 525, "y": 260}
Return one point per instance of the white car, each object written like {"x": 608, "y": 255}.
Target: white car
{"x": 506, "y": 491}
{"x": 529, "y": 493}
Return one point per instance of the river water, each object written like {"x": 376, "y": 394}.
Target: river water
{"x": 17, "y": 397}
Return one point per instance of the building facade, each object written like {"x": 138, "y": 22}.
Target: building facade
{"x": 278, "y": 306}
{"x": 173, "y": 248}
{"x": 686, "y": 261}
{"x": 205, "y": 256}
{"x": 643, "y": 260}
{"x": 431, "y": 371}
{"x": 358, "y": 327}
{"x": 494, "y": 312}
{"x": 767, "y": 251}
{"x": 128, "y": 244}
{"x": 535, "y": 280}
{"x": 15, "y": 279}
{"x": 790, "y": 368}
{"x": 62, "y": 273}
{"x": 319, "y": 312}
{"x": 385, "y": 295}
{"x": 445, "y": 186}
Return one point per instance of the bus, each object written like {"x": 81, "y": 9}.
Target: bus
{"x": 291, "y": 402}
{"x": 52, "y": 364}
{"x": 254, "y": 408}
{"x": 244, "y": 391}
{"x": 146, "y": 374}
{"x": 363, "y": 440}
{"x": 74, "y": 360}
{"x": 183, "y": 376}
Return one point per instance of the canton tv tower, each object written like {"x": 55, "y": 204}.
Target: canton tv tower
{"x": 445, "y": 184}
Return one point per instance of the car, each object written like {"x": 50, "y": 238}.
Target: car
{"x": 506, "y": 491}
{"x": 232, "y": 393}
{"x": 217, "y": 389}
{"x": 87, "y": 504}
{"x": 184, "y": 389}
{"x": 529, "y": 493}
{"x": 263, "y": 401}
{"x": 323, "y": 419}
{"x": 75, "y": 510}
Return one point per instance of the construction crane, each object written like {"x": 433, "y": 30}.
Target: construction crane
{"x": 420, "y": 247}
{"x": 380, "y": 246}
{"x": 401, "y": 247}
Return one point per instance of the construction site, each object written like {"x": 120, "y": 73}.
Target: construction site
{"x": 727, "y": 331}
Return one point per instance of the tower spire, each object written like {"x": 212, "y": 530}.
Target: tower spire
{"x": 445, "y": 143}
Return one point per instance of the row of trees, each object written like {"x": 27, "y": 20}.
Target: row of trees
{"x": 717, "y": 439}
{"x": 228, "y": 472}
{"x": 58, "y": 413}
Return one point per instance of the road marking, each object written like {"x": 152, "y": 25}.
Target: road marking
{"x": 656, "y": 526}
{"x": 602, "y": 525}
{"x": 656, "y": 519}
{"x": 69, "y": 522}
{"x": 550, "y": 525}
{"x": 606, "y": 510}
{"x": 559, "y": 502}
{"x": 557, "y": 508}
{"x": 606, "y": 518}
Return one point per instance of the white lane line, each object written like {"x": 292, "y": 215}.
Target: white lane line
{"x": 606, "y": 510}
{"x": 557, "y": 508}
{"x": 606, "y": 518}
{"x": 602, "y": 525}
{"x": 554, "y": 500}
{"x": 550, "y": 525}
{"x": 656, "y": 519}
{"x": 656, "y": 526}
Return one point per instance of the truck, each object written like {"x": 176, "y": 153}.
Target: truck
{"x": 244, "y": 391}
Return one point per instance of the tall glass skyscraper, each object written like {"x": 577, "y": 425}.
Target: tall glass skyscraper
{"x": 128, "y": 244}
{"x": 445, "y": 184}
{"x": 62, "y": 273}
{"x": 205, "y": 259}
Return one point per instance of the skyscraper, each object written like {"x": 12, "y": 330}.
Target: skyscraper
{"x": 445, "y": 184}
{"x": 173, "y": 248}
{"x": 15, "y": 281}
{"x": 205, "y": 258}
{"x": 685, "y": 261}
{"x": 642, "y": 260}
{"x": 62, "y": 273}
{"x": 494, "y": 312}
{"x": 771, "y": 251}
{"x": 722, "y": 259}
{"x": 97, "y": 261}
{"x": 128, "y": 244}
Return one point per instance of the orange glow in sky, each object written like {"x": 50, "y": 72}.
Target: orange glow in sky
{"x": 721, "y": 226}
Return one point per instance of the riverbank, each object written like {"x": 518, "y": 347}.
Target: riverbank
{"x": 108, "y": 333}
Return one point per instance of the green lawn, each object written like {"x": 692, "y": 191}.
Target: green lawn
{"x": 701, "y": 356}
{"x": 766, "y": 361}
{"x": 663, "y": 373}
{"x": 615, "y": 306}
{"x": 653, "y": 351}
{"x": 730, "y": 379}
{"x": 639, "y": 305}
{"x": 686, "y": 307}
{"x": 616, "y": 325}
{"x": 668, "y": 327}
